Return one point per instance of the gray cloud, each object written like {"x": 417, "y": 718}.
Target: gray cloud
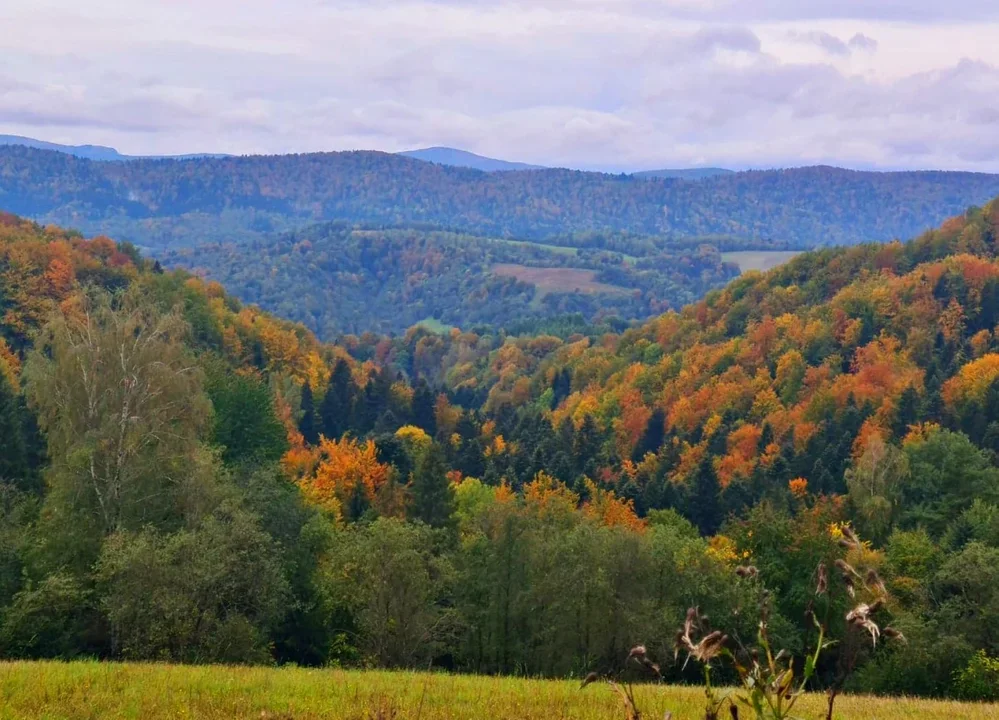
{"x": 584, "y": 83}
{"x": 830, "y": 43}
{"x": 863, "y": 43}
{"x": 917, "y": 11}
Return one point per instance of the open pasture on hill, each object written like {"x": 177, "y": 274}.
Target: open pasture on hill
{"x": 155, "y": 692}
{"x": 559, "y": 279}
{"x": 762, "y": 260}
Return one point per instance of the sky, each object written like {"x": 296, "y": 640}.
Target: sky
{"x": 594, "y": 84}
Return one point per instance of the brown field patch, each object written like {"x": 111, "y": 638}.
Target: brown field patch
{"x": 559, "y": 280}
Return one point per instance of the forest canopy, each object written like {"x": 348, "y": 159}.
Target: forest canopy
{"x": 184, "y": 477}
{"x": 337, "y": 279}
{"x": 174, "y": 203}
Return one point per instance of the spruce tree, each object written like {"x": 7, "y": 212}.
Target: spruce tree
{"x": 335, "y": 410}
{"x": 587, "y": 446}
{"x": 561, "y": 387}
{"x": 704, "y": 503}
{"x": 307, "y": 425}
{"x": 907, "y": 412}
{"x": 652, "y": 438}
{"x": 424, "y": 408}
{"x": 433, "y": 498}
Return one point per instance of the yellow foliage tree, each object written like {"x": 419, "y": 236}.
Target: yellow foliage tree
{"x": 344, "y": 465}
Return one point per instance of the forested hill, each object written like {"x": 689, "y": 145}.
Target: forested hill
{"x": 337, "y": 278}
{"x": 186, "y": 478}
{"x": 160, "y": 203}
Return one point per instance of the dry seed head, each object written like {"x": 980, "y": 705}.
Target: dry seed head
{"x": 848, "y": 581}
{"x": 846, "y": 568}
{"x": 822, "y": 583}
{"x": 747, "y": 571}
{"x": 895, "y": 635}
{"x": 637, "y": 652}
{"x": 874, "y": 581}
{"x": 590, "y": 678}
{"x": 710, "y": 646}
{"x": 859, "y": 613}
{"x": 860, "y": 617}
{"x": 650, "y": 666}
{"x": 850, "y": 534}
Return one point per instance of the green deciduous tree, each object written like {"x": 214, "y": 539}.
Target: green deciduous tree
{"x": 207, "y": 594}
{"x": 121, "y": 402}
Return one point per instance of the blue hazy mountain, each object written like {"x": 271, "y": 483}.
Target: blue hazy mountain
{"x": 93, "y": 152}
{"x": 465, "y": 159}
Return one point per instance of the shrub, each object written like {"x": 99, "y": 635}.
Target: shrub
{"x": 979, "y": 680}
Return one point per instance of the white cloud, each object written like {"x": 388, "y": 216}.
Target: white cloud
{"x": 589, "y": 83}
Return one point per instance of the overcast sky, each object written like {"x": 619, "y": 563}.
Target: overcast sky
{"x": 604, "y": 84}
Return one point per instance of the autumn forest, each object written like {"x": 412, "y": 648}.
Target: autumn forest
{"x": 187, "y": 477}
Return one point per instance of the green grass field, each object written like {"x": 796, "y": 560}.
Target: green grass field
{"x": 762, "y": 260}
{"x": 155, "y": 692}
{"x": 434, "y": 325}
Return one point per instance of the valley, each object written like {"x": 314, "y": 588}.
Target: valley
{"x": 493, "y": 360}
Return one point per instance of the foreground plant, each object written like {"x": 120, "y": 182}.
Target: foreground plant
{"x": 771, "y": 683}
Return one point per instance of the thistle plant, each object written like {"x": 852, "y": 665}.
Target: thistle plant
{"x": 771, "y": 682}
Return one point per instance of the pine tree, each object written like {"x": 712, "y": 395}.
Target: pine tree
{"x": 424, "y": 415}
{"x": 652, "y": 438}
{"x": 820, "y": 479}
{"x": 586, "y": 446}
{"x": 561, "y": 387}
{"x": 704, "y": 503}
{"x": 907, "y": 412}
{"x": 335, "y": 410}
{"x": 372, "y": 402}
{"x": 307, "y": 425}
{"x": 433, "y": 498}
{"x": 358, "y": 504}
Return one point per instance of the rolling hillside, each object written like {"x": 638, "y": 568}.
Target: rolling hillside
{"x": 163, "y": 203}
{"x": 337, "y": 279}
{"x": 545, "y": 499}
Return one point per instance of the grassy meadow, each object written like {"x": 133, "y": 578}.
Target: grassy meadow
{"x": 761, "y": 260}
{"x": 155, "y": 692}
{"x": 559, "y": 279}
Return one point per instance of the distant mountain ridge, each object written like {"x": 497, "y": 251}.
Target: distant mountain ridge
{"x": 99, "y": 153}
{"x": 462, "y": 158}
{"x": 441, "y": 155}
{"x": 188, "y": 202}
{"x": 684, "y": 173}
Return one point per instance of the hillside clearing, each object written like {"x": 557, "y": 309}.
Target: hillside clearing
{"x": 762, "y": 260}
{"x": 559, "y": 280}
{"x": 155, "y": 692}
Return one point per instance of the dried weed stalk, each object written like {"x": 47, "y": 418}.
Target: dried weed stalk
{"x": 771, "y": 683}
